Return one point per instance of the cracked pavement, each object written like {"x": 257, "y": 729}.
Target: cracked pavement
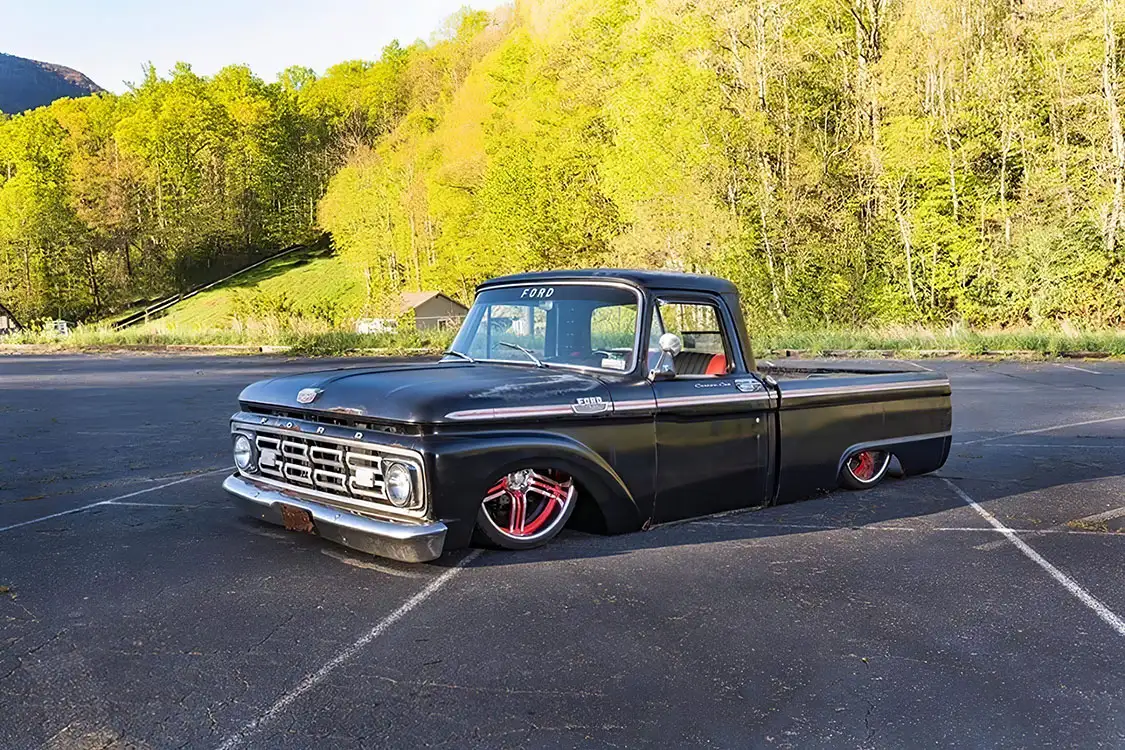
{"x": 883, "y": 619}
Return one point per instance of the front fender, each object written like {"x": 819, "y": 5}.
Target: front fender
{"x": 462, "y": 469}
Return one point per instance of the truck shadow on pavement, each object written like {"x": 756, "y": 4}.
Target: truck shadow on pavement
{"x": 1013, "y": 488}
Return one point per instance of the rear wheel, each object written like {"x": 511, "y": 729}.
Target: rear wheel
{"x": 865, "y": 469}
{"x": 526, "y": 508}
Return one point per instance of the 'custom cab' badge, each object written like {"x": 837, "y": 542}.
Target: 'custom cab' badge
{"x": 308, "y": 395}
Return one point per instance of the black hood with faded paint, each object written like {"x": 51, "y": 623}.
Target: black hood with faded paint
{"x": 426, "y": 392}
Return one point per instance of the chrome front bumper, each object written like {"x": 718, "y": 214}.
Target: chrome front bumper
{"x": 408, "y": 542}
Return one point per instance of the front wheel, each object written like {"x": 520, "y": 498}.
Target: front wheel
{"x": 865, "y": 469}
{"x": 526, "y": 508}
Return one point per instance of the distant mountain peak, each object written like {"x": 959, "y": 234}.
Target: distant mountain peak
{"x": 27, "y": 84}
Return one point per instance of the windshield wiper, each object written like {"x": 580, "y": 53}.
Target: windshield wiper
{"x": 456, "y": 353}
{"x": 538, "y": 362}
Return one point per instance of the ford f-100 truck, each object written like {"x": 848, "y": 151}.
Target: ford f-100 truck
{"x": 611, "y": 400}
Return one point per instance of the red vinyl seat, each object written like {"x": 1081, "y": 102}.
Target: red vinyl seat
{"x": 717, "y": 365}
{"x": 700, "y": 363}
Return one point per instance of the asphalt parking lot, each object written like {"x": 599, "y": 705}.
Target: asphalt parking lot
{"x": 980, "y": 607}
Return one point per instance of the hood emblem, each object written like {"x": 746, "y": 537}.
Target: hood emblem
{"x": 308, "y": 395}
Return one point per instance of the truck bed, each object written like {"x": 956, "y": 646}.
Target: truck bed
{"x": 829, "y": 409}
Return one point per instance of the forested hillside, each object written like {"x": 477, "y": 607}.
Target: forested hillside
{"x": 27, "y": 84}
{"x": 844, "y": 161}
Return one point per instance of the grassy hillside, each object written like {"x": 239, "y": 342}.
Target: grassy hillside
{"x": 303, "y": 282}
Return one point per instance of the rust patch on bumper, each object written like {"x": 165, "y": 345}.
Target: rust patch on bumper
{"x": 297, "y": 519}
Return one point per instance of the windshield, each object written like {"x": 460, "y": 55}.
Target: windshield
{"x": 571, "y": 325}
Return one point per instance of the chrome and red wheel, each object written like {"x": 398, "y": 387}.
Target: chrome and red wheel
{"x": 526, "y": 508}
{"x": 865, "y": 469}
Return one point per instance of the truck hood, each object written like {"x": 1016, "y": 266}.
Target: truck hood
{"x": 433, "y": 392}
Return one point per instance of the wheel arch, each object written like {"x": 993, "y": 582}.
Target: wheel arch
{"x": 917, "y": 454}
{"x": 490, "y": 456}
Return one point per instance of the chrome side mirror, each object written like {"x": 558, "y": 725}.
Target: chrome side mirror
{"x": 670, "y": 344}
{"x": 665, "y": 369}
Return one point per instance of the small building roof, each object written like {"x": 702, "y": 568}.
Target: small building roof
{"x": 414, "y": 300}
{"x": 9, "y": 315}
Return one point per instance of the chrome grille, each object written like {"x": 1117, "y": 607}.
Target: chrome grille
{"x": 347, "y": 471}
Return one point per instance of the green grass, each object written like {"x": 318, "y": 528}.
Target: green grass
{"x": 313, "y": 338}
{"x": 122, "y": 314}
{"x": 307, "y": 278}
{"x": 155, "y": 335}
{"x": 305, "y": 338}
{"x": 339, "y": 343}
{"x": 912, "y": 341}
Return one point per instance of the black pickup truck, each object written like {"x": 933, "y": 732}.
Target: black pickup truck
{"x": 608, "y": 399}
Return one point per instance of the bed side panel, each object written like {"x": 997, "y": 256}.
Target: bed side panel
{"x": 823, "y": 419}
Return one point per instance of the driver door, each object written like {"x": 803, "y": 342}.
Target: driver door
{"x": 712, "y": 418}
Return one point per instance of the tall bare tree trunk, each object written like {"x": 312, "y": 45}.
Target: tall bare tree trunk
{"x": 943, "y": 103}
{"x": 771, "y": 266}
{"x": 414, "y": 254}
{"x": 27, "y": 270}
{"x": 907, "y": 243}
{"x": 92, "y": 270}
{"x": 1117, "y": 140}
{"x": 1005, "y": 150}
{"x": 760, "y": 56}
{"x": 160, "y": 200}
{"x": 392, "y": 255}
{"x": 933, "y": 277}
{"x": 868, "y": 17}
{"x": 1057, "y": 117}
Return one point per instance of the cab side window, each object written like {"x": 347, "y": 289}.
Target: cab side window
{"x": 700, "y": 329}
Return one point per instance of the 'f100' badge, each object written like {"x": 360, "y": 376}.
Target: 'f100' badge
{"x": 589, "y": 405}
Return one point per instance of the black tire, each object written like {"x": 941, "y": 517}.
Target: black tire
{"x": 865, "y": 469}
{"x": 551, "y": 496}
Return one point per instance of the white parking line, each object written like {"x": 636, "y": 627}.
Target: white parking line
{"x": 163, "y": 505}
{"x": 112, "y": 501}
{"x": 819, "y": 526}
{"x": 1080, "y": 369}
{"x": 1040, "y": 430}
{"x": 919, "y": 530}
{"x": 1058, "y": 445}
{"x": 53, "y": 515}
{"x": 315, "y": 678}
{"x": 1063, "y": 528}
{"x": 1084, "y": 596}
{"x": 1103, "y": 516}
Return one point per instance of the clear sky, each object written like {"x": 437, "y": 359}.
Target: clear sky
{"x": 111, "y": 40}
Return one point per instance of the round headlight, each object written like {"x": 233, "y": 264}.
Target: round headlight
{"x": 399, "y": 484}
{"x": 243, "y": 453}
